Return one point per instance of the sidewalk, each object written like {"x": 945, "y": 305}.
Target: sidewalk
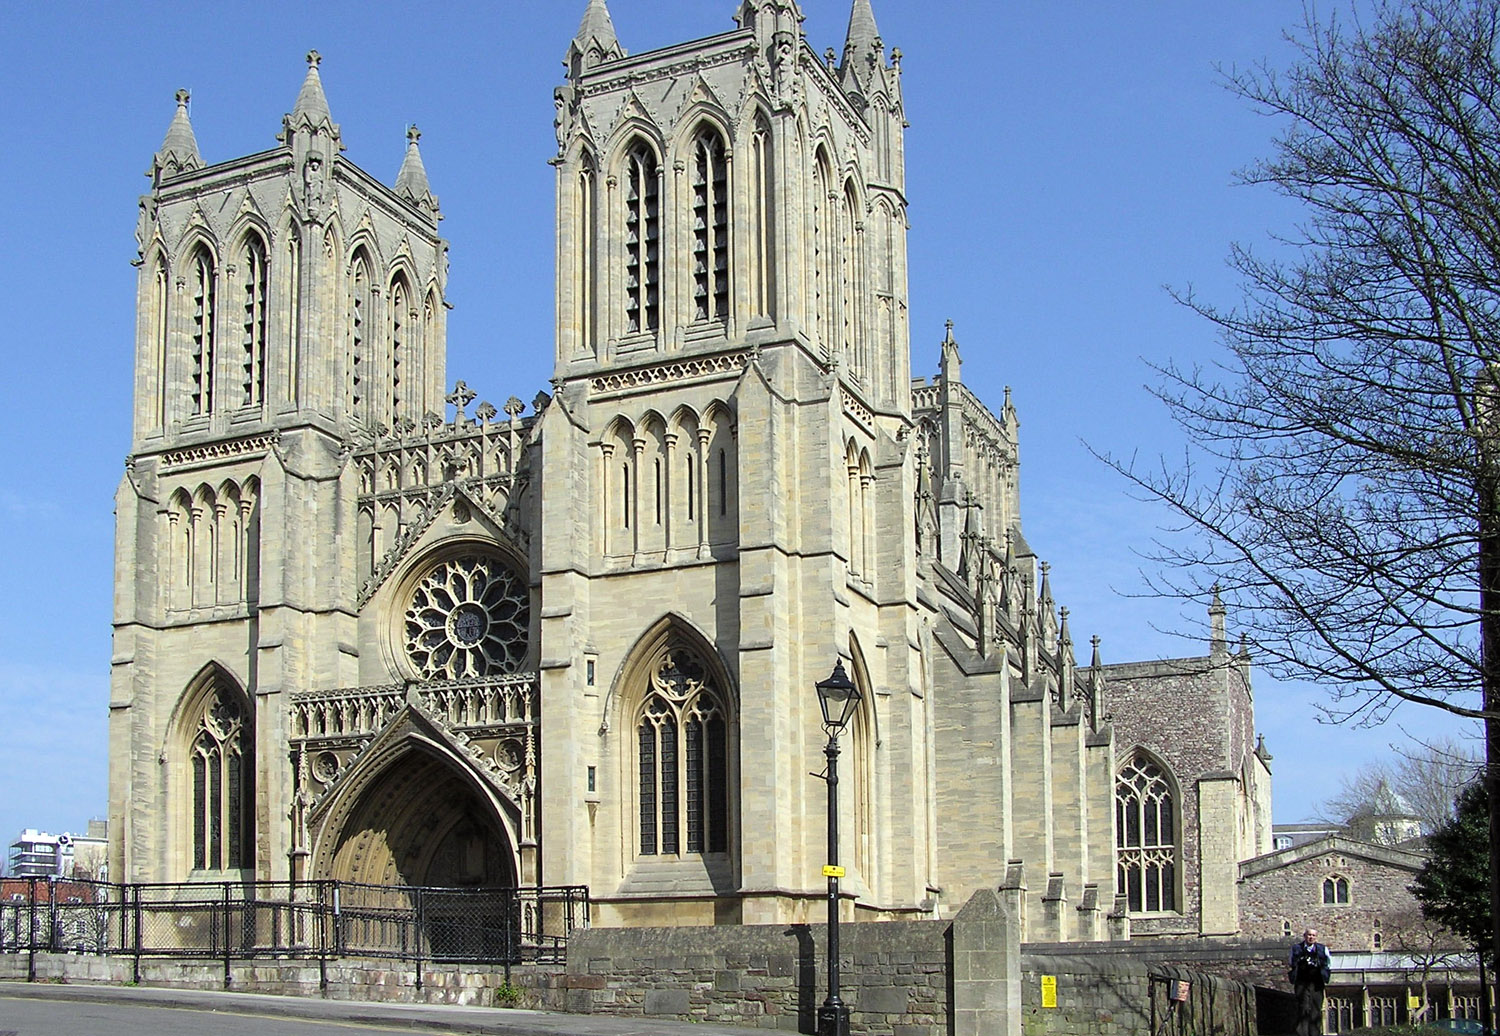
{"x": 487, "y": 1021}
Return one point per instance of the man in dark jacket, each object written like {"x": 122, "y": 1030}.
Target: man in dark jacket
{"x": 1308, "y": 966}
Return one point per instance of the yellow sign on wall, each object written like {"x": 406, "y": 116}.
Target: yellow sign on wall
{"x": 1049, "y": 990}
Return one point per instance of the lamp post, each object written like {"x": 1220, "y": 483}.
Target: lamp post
{"x": 838, "y": 698}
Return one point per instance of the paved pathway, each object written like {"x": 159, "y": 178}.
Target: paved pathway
{"x": 25, "y": 998}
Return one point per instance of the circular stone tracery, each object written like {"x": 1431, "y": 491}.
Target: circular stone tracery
{"x": 468, "y": 617}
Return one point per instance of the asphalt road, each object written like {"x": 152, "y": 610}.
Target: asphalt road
{"x": 75, "y": 1010}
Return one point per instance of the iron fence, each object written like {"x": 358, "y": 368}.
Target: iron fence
{"x": 232, "y": 921}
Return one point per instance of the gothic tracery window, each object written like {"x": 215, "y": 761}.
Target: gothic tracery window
{"x": 642, "y": 241}
{"x": 710, "y": 219}
{"x": 222, "y": 773}
{"x": 682, "y": 756}
{"x": 1145, "y": 837}
{"x": 469, "y": 616}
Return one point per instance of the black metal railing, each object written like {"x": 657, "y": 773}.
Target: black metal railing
{"x": 244, "y": 920}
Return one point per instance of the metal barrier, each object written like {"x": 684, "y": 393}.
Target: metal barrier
{"x": 245, "y": 920}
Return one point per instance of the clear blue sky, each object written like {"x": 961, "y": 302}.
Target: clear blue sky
{"x": 1065, "y": 161}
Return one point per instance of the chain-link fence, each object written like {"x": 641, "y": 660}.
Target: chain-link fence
{"x": 240, "y": 920}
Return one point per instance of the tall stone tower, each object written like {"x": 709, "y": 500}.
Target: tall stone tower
{"x": 733, "y": 412}
{"x": 288, "y": 303}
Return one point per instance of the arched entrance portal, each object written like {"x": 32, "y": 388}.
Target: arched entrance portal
{"x": 422, "y": 823}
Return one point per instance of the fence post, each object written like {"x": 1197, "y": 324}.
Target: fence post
{"x": 338, "y": 923}
{"x": 322, "y": 916}
{"x": 52, "y": 913}
{"x": 228, "y": 943}
{"x": 421, "y": 930}
{"x": 31, "y": 937}
{"x": 137, "y": 911}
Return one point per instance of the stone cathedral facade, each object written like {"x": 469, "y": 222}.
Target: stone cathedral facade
{"x": 371, "y": 628}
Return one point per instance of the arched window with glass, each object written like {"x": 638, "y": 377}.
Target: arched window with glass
{"x": 682, "y": 732}
{"x": 1146, "y": 849}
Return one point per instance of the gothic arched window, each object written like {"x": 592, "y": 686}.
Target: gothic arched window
{"x": 642, "y": 241}
{"x": 710, "y": 219}
{"x": 361, "y": 306}
{"x": 403, "y": 315}
{"x": 682, "y": 757}
{"x": 223, "y": 769}
{"x": 254, "y": 283}
{"x": 201, "y": 274}
{"x": 1145, "y": 836}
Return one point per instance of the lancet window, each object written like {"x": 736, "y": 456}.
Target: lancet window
{"x": 1145, "y": 836}
{"x": 292, "y": 280}
{"x": 710, "y": 219}
{"x": 222, "y": 772}
{"x": 254, "y": 283}
{"x": 401, "y": 341}
{"x": 201, "y": 272}
{"x": 642, "y": 241}
{"x": 361, "y": 308}
{"x": 1335, "y": 890}
{"x": 823, "y": 295}
{"x": 682, "y": 756}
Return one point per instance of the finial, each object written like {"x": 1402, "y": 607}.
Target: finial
{"x": 314, "y": 59}
{"x": 183, "y": 97}
{"x": 949, "y": 325}
{"x": 413, "y": 134}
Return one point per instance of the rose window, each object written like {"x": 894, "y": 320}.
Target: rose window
{"x": 469, "y": 616}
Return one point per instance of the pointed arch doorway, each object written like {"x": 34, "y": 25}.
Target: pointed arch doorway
{"x": 421, "y": 821}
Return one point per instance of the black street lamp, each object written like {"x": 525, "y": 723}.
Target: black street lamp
{"x": 838, "y": 698}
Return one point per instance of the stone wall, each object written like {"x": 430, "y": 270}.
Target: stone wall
{"x": 1106, "y": 993}
{"x": 472, "y": 985}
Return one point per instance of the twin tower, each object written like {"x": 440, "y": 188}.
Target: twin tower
{"x": 368, "y": 630}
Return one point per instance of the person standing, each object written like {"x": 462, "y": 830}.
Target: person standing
{"x": 1308, "y": 966}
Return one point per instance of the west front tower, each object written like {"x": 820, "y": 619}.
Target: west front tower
{"x": 289, "y": 305}
{"x": 731, "y": 418}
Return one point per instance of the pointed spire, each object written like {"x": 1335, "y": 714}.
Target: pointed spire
{"x": 179, "y": 151}
{"x": 311, "y": 102}
{"x": 596, "y": 41}
{"x": 863, "y": 49}
{"x": 411, "y": 181}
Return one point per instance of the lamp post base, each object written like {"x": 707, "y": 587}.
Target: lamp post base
{"x": 833, "y": 1020}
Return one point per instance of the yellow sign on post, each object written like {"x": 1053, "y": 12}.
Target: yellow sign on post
{"x": 1049, "y": 990}
{"x": 1413, "y": 1002}
{"x": 832, "y": 870}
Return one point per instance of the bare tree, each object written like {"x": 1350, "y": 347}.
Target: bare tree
{"x": 1342, "y": 485}
{"x": 1427, "y": 777}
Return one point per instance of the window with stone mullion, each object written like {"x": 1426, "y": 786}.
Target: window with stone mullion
{"x": 1145, "y": 838}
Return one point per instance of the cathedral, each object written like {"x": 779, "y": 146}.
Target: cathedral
{"x": 372, "y": 628}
